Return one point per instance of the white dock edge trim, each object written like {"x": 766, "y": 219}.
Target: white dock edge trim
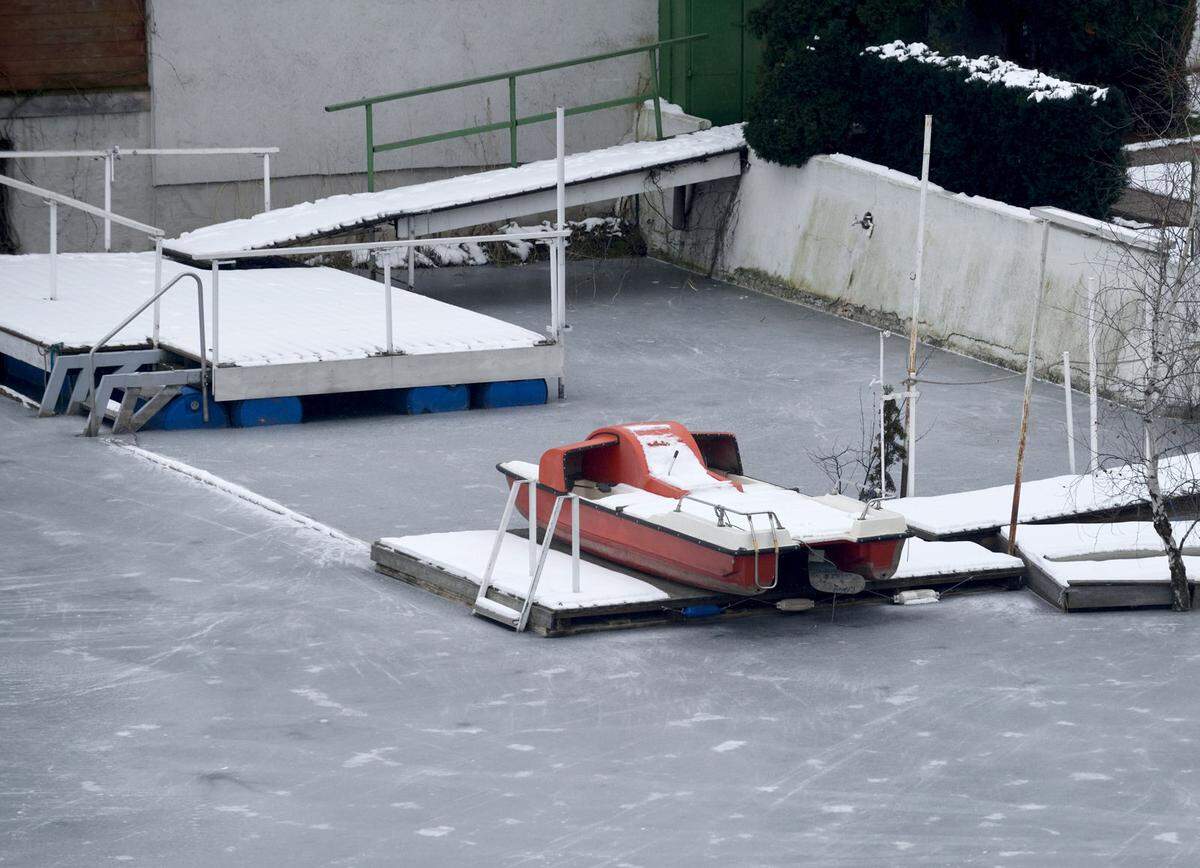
{"x": 244, "y": 494}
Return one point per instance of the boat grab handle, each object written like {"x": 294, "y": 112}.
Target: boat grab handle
{"x": 723, "y": 512}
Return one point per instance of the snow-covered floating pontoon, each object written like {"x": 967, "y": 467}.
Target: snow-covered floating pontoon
{"x": 662, "y": 523}
{"x": 1103, "y": 565}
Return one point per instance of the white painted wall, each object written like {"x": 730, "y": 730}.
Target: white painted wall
{"x": 800, "y": 228}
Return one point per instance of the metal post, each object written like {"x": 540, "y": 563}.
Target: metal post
{"x": 266, "y": 182}
{"x": 157, "y": 284}
{"x": 575, "y": 543}
{"x": 1030, "y": 358}
{"x": 216, "y": 296}
{"x": 533, "y": 528}
{"x": 108, "y": 179}
{"x": 1070, "y": 411}
{"x": 882, "y": 416}
{"x": 655, "y": 89}
{"x": 387, "y": 298}
{"x": 53, "y": 249}
{"x": 1093, "y": 422}
{"x": 203, "y": 370}
{"x": 370, "y": 148}
{"x": 512, "y": 121}
{"x": 910, "y": 480}
{"x": 561, "y": 243}
{"x": 412, "y": 257}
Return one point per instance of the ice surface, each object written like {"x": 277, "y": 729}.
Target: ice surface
{"x": 1056, "y": 497}
{"x": 267, "y": 315}
{"x": 466, "y": 552}
{"x": 327, "y": 216}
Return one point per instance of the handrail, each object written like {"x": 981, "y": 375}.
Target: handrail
{"x": 97, "y": 413}
{"x": 50, "y": 195}
{"x": 513, "y": 122}
{"x": 722, "y": 521}
{"x": 313, "y": 249}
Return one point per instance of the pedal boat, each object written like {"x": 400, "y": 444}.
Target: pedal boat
{"x": 671, "y": 503}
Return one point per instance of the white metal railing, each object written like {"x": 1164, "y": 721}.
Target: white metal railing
{"x": 555, "y": 238}
{"x": 537, "y": 552}
{"x": 53, "y": 200}
{"x": 114, "y": 153}
{"x": 723, "y": 512}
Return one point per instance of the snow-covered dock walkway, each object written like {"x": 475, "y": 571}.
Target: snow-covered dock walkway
{"x": 484, "y": 197}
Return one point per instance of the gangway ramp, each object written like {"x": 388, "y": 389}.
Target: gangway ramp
{"x": 481, "y": 198}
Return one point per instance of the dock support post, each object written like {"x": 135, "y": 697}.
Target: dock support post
{"x": 1030, "y": 359}
{"x": 387, "y": 298}
{"x": 1093, "y": 422}
{"x": 53, "y": 250}
{"x": 108, "y": 181}
{"x": 1070, "y": 411}
{"x": 266, "y": 183}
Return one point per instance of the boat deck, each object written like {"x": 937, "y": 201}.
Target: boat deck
{"x": 278, "y": 332}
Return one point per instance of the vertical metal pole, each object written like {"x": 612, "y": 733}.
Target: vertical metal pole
{"x": 266, "y": 183}
{"x": 910, "y": 481}
{"x": 882, "y": 416}
{"x": 512, "y": 121}
{"x": 655, "y": 89}
{"x": 1029, "y": 363}
{"x": 561, "y": 215}
{"x": 1093, "y": 422}
{"x": 412, "y": 257}
{"x": 108, "y": 179}
{"x": 157, "y": 285}
{"x": 1070, "y": 411}
{"x": 216, "y": 297}
{"x": 370, "y": 148}
{"x": 387, "y": 297}
{"x": 533, "y": 527}
{"x": 53, "y": 249}
{"x": 203, "y": 367}
{"x": 575, "y": 544}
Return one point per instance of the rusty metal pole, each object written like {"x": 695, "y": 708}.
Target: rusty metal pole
{"x": 1029, "y": 363}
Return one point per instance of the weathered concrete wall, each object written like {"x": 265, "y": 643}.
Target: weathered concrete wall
{"x": 806, "y": 231}
{"x": 227, "y": 72}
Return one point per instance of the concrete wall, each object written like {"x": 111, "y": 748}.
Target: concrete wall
{"x": 804, "y": 231}
{"x": 226, "y": 73}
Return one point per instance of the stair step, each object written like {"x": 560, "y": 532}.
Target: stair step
{"x": 497, "y": 611}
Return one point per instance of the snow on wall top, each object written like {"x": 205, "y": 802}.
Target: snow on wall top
{"x": 1057, "y": 497}
{"x": 349, "y": 210}
{"x": 990, "y": 69}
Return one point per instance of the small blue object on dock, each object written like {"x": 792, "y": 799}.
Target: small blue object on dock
{"x": 436, "y": 399}
{"x": 704, "y": 610}
{"x": 260, "y": 412}
{"x": 184, "y": 412}
{"x": 508, "y": 393}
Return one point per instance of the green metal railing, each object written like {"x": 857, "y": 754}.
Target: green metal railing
{"x": 513, "y": 122}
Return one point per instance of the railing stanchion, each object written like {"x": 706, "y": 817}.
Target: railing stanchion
{"x": 266, "y": 183}
{"x": 157, "y": 285}
{"x": 370, "y": 148}
{"x": 656, "y": 90}
{"x": 560, "y": 197}
{"x": 387, "y": 298}
{"x": 53, "y": 249}
{"x": 512, "y": 121}
{"x": 412, "y": 257}
{"x": 108, "y": 182}
{"x": 203, "y": 354}
{"x": 216, "y": 294}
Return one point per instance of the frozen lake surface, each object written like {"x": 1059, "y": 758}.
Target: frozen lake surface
{"x": 188, "y": 679}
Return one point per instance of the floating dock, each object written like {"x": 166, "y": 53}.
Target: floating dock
{"x": 612, "y": 597}
{"x": 274, "y": 332}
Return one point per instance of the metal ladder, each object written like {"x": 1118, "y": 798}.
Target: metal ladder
{"x": 486, "y": 607}
{"x": 136, "y": 384}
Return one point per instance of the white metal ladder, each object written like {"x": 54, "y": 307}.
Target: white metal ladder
{"x": 496, "y": 611}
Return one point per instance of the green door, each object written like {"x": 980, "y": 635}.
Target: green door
{"x": 714, "y": 77}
